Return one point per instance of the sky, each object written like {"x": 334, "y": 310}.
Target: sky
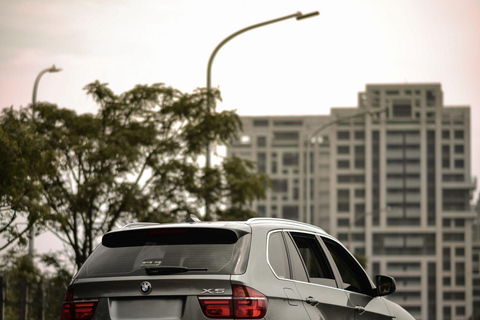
{"x": 287, "y": 68}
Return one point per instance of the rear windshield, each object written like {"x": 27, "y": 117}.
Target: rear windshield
{"x": 194, "y": 250}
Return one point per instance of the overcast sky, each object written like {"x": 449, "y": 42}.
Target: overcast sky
{"x": 289, "y": 68}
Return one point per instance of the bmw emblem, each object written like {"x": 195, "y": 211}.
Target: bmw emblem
{"x": 145, "y": 287}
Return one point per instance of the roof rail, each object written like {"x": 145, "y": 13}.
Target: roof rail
{"x": 139, "y": 224}
{"x": 286, "y": 221}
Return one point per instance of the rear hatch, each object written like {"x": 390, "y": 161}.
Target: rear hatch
{"x": 158, "y": 273}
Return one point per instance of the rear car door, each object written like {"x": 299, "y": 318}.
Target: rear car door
{"x": 314, "y": 279}
{"x": 283, "y": 299}
{"x": 358, "y": 287}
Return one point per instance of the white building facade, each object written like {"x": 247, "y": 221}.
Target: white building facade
{"x": 391, "y": 178}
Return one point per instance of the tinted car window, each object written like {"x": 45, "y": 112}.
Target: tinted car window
{"x": 314, "y": 259}
{"x": 208, "y": 250}
{"x": 298, "y": 269}
{"x": 353, "y": 277}
{"x": 277, "y": 255}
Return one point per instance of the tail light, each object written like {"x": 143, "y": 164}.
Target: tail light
{"x": 245, "y": 303}
{"x": 78, "y": 309}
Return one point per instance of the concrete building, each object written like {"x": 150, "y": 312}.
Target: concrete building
{"x": 391, "y": 178}
{"x": 476, "y": 262}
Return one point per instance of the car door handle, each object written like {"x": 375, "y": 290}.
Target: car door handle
{"x": 360, "y": 310}
{"x": 312, "y": 301}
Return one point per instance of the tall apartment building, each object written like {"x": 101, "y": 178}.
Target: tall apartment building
{"x": 476, "y": 262}
{"x": 390, "y": 178}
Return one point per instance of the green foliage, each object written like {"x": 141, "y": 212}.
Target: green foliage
{"x": 135, "y": 159}
{"x": 24, "y": 159}
{"x": 45, "y": 292}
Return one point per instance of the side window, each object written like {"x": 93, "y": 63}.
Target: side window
{"x": 314, "y": 259}
{"x": 277, "y": 255}
{"x": 353, "y": 276}
{"x": 298, "y": 269}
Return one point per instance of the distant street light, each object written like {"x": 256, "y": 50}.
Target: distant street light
{"x": 53, "y": 69}
{"x": 308, "y": 216}
{"x": 298, "y": 15}
{"x": 22, "y": 315}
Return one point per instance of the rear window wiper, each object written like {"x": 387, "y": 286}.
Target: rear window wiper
{"x": 170, "y": 270}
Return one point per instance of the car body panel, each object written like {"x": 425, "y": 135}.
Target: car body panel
{"x": 176, "y": 296}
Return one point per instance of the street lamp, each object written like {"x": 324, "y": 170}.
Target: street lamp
{"x": 308, "y": 216}
{"x": 22, "y": 315}
{"x": 298, "y": 16}
{"x": 52, "y": 69}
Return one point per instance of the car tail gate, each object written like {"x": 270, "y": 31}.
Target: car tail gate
{"x": 163, "y": 273}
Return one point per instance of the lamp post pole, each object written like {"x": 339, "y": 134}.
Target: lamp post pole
{"x": 298, "y": 15}
{"x": 23, "y": 310}
{"x": 308, "y": 216}
{"x": 52, "y": 69}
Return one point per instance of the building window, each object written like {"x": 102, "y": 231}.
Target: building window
{"x": 285, "y": 135}
{"x": 341, "y": 178}
{"x": 460, "y": 311}
{"x": 459, "y": 164}
{"x": 460, "y": 252}
{"x": 260, "y": 123}
{"x": 458, "y": 134}
{"x": 447, "y": 313}
{"x": 392, "y": 92}
{"x": 290, "y": 212}
{"x": 343, "y": 149}
{"x": 359, "y": 164}
{"x": 280, "y": 185}
{"x": 261, "y": 162}
{"x": 430, "y": 98}
{"x": 445, "y": 163}
{"x": 261, "y": 141}
{"x": 360, "y": 151}
{"x": 261, "y": 210}
{"x": 343, "y": 135}
{"x": 343, "y": 194}
{"x": 360, "y": 193}
{"x": 446, "y": 149}
{"x": 343, "y": 200}
{"x": 447, "y": 282}
{"x": 343, "y": 164}
{"x": 290, "y": 159}
{"x": 297, "y": 123}
{"x": 274, "y": 167}
{"x": 446, "y": 134}
{"x": 459, "y": 149}
{"x": 359, "y": 135}
{"x": 343, "y": 207}
{"x": 402, "y": 110}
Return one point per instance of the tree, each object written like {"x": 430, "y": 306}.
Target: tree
{"x": 23, "y": 161}
{"x": 45, "y": 291}
{"x": 138, "y": 158}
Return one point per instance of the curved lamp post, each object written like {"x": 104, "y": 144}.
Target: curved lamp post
{"x": 298, "y": 15}
{"x": 308, "y": 218}
{"x": 23, "y": 310}
{"x": 52, "y": 69}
